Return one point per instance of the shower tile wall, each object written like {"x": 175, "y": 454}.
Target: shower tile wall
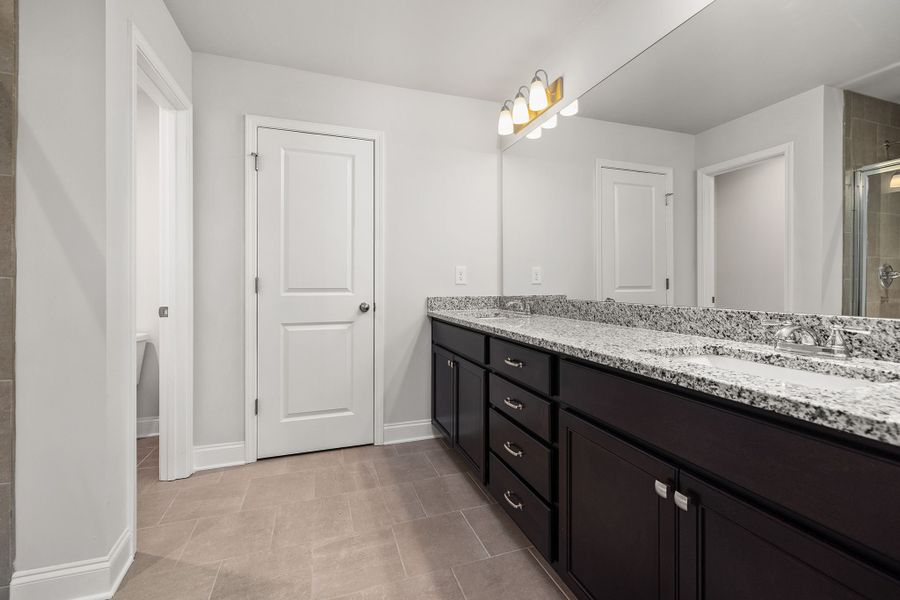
{"x": 8, "y": 78}
{"x": 868, "y": 122}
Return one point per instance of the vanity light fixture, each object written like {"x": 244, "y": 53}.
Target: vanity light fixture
{"x": 535, "y": 134}
{"x": 530, "y": 103}
{"x": 537, "y": 92}
{"x": 505, "y": 124}
{"x": 520, "y": 114}
{"x": 571, "y": 110}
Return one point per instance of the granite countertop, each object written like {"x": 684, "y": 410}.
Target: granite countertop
{"x": 870, "y": 411}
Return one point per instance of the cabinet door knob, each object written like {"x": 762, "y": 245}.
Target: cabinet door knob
{"x": 510, "y": 501}
{"x": 513, "y": 404}
{"x": 682, "y": 501}
{"x": 514, "y": 362}
{"x": 513, "y": 449}
{"x": 662, "y": 490}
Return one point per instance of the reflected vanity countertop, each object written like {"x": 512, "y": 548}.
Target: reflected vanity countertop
{"x": 871, "y": 410}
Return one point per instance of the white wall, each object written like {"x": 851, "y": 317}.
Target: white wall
{"x": 73, "y": 328}
{"x": 147, "y": 298}
{"x": 548, "y": 203}
{"x": 440, "y": 211}
{"x": 804, "y": 120}
{"x": 750, "y": 245}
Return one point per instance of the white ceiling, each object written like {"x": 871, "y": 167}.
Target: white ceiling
{"x": 476, "y": 48}
{"x": 737, "y": 56}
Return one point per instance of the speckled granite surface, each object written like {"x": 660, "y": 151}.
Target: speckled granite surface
{"x": 871, "y": 411}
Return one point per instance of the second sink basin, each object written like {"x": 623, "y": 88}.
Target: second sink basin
{"x": 786, "y": 374}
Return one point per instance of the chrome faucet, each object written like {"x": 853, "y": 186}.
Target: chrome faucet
{"x": 793, "y": 337}
{"x": 518, "y": 306}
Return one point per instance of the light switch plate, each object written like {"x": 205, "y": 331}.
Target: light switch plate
{"x": 537, "y": 275}
{"x": 462, "y": 277}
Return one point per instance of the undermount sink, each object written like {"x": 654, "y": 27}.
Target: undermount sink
{"x": 785, "y": 374}
{"x": 501, "y": 317}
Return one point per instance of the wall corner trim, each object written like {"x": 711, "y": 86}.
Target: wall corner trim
{"x": 91, "y": 579}
{"x": 214, "y": 456}
{"x": 408, "y": 431}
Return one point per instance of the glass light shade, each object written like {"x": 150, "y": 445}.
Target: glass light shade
{"x": 550, "y": 123}
{"x": 505, "y": 123}
{"x": 895, "y": 181}
{"x": 537, "y": 95}
{"x": 520, "y": 110}
{"x": 570, "y": 110}
{"x": 535, "y": 134}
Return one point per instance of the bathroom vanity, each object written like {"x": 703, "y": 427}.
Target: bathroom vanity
{"x": 640, "y": 471}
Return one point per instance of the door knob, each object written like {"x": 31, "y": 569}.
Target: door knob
{"x": 364, "y": 307}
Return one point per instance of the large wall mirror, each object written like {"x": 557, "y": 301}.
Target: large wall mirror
{"x": 749, "y": 160}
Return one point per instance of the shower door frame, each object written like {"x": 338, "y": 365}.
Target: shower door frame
{"x": 860, "y": 229}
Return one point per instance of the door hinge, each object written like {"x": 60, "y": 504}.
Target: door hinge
{"x": 163, "y": 312}
{"x": 255, "y": 161}
{"x": 256, "y": 406}
{"x": 667, "y": 283}
{"x": 669, "y": 197}
{"x": 256, "y": 285}
{"x": 713, "y": 299}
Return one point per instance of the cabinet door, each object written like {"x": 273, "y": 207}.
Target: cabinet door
{"x": 731, "y": 550}
{"x": 443, "y": 406}
{"x": 617, "y": 532}
{"x": 471, "y": 411}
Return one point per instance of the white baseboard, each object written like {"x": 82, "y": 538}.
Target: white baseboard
{"x": 408, "y": 431}
{"x": 93, "y": 579}
{"x": 214, "y": 456}
{"x": 147, "y": 426}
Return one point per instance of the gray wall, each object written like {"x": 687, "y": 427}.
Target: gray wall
{"x": 8, "y": 39}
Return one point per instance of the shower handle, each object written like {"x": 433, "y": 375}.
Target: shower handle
{"x": 887, "y": 275}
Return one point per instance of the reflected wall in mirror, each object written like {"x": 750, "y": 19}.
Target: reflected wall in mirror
{"x": 744, "y": 161}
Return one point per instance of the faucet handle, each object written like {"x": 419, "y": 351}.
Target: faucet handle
{"x": 851, "y": 329}
{"x": 777, "y": 322}
{"x": 837, "y": 343}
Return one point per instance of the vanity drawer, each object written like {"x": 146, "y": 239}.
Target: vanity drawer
{"x": 529, "y": 458}
{"x": 532, "y": 412}
{"x": 827, "y": 483}
{"x": 525, "y": 365}
{"x": 466, "y": 343}
{"x": 528, "y": 511}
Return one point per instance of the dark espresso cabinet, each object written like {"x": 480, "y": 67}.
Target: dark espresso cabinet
{"x": 635, "y": 489}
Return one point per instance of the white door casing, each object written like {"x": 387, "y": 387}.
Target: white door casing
{"x": 634, "y": 233}
{"x": 315, "y": 239}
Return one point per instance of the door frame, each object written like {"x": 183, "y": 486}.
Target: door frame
{"x": 669, "y": 173}
{"x": 251, "y": 123}
{"x": 176, "y": 393}
{"x": 706, "y": 219}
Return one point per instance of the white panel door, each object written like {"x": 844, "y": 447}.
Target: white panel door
{"x": 316, "y": 268}
{"x": 633, "y": 244}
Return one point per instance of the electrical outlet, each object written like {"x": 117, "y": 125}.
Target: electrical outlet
{"x": 461, "y": 276}
{"x": 537, "y": 276}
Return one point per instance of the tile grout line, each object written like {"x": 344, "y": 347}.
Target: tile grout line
{"x": 400, "y": 554}
{"x": 531, "y": 551}
{"x": 475, "y": 533}
{"x": 165, "y": 512}
{"x": 215, "y": 579}
{"x": 458, "y": 584}
{"x": 184, "y": 547}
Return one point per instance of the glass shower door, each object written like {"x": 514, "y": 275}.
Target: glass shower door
{"x": 877, "y": 240}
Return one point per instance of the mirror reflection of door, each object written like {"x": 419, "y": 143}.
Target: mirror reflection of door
{"x": 750, "y": 237}
{"x": 879, "y": 232}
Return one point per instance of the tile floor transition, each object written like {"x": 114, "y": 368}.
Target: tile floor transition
{"x": 374, "y": 522}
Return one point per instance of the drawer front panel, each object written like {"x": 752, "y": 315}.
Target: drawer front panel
{"x": 529, "y": 458}
{"x": 466, "y": 343}
{"x": 522, "y": 364}
{"x": 528, "y": 511}
{"x": 531, "y": 411}
{"x": 845, "y": 490}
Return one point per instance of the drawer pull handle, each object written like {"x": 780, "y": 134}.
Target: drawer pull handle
{"x": 510, "y": 501}
{"x": 514, "y": 362}
{"x": 513, "y": 404}
{"x": 513, "y": 449}
{"x": 662, "y": 490}
{"x": 682, "y": 501}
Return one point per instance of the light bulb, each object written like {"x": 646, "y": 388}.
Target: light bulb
{"x": 550, "y": 123}
{"x": 570, "y": 110}
{"x": 505, "y": 123}
{"x": 535, "y": 134}
{"x": 895, "y": 181}
{"x": 537, "y": 95}
{"x": 520, "y": 110}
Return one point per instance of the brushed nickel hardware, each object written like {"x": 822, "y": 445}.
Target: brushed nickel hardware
{"x": 450, "y": 363}
{"x": 255, "y": 161}
{"x": 514, "y": 362}
{"x": 163, "y": 312}
{"x": 256, "y": 406}
{"x": 799, "y": 339}
{"x": 364, "y": 307}
{"x": 837, "y": 346}
{"x": 887, "y": 275}
{"x": 682, "y": 501}
{"x": 796, "y": 338}
{"x": 510, "y": 501}
{"x": 518, "y": 306}
{"x": 256, "y": 285}
{"x": 513, "y": 449}
{"x": 662, "y": 490}
{"x": 513, "y": 404}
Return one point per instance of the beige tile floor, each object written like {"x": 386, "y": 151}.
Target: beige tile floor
{"x": 387, "y": 523}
